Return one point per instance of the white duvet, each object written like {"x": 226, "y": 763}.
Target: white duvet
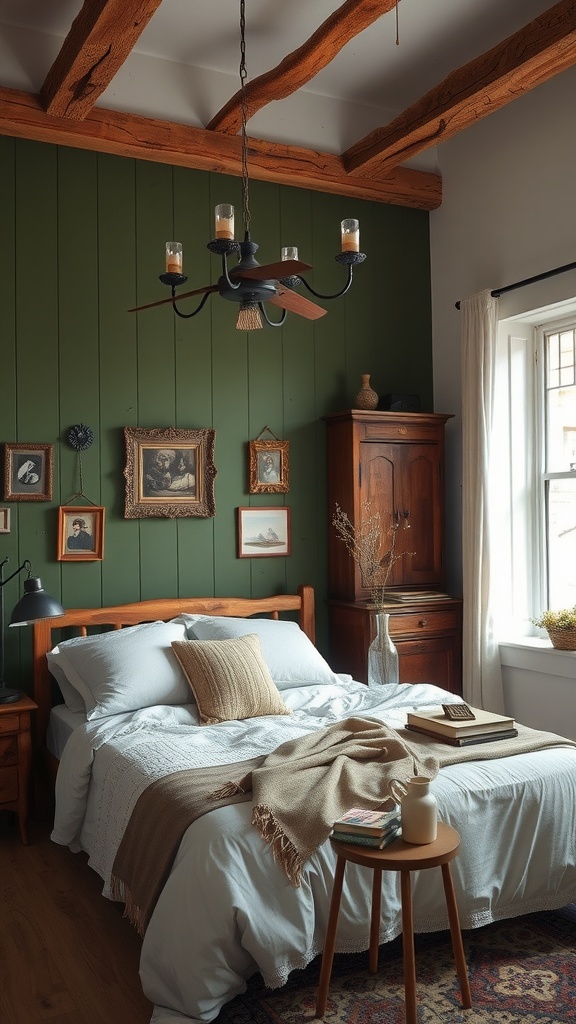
{"x": 227, "y": 910}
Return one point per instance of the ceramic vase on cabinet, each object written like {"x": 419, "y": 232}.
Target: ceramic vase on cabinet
{"x": 382, "y": 655}
{"x": 366, "y": 397}
{"x": 419, "y": 812}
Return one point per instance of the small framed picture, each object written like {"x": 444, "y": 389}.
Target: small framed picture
{"x": 169, "y": 472}
{"x": 269, "y": 467}
{"x": 80, "y": 533}
{"x": 4, "y": 520}
{"x": 263, "y": 532}
{"x": 28, "y": 472}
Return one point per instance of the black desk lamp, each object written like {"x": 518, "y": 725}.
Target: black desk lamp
{"x": 36, "y": 604}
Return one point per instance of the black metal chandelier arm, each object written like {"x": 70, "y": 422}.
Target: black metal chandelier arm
{"x": 272, "y": 323}
{"x": 186, "y": 316}
{"x": 336, "y": 295}
{"x": 229, "y": 282}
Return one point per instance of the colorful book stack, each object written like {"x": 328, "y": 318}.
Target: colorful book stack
{"x": 368, "y": 828}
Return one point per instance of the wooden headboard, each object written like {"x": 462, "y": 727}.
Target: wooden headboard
{"x": 81, "y": 619}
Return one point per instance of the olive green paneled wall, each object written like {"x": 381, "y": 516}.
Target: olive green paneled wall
{"x": 81, "y": 241}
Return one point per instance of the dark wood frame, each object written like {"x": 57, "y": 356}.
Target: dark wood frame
{"x": 43, "y": 489}
{"x": 140, "y": 502}
{"x": 254, "y": 549}
{"x": 66, "y": 514}
{"x": 261, "y": 449}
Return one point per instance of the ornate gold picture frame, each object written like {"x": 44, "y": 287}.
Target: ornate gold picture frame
{"x": 169, "y": 472}
{"x": 269, "y": 467}
{"x": 28, "y": 471}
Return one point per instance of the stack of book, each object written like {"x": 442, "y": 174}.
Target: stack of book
{"x": 482, "y": 728}
{"x": 368, "y": 828}
{"x": 415, "y": 596}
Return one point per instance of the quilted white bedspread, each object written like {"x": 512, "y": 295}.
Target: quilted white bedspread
{"x": 227, "y": 910}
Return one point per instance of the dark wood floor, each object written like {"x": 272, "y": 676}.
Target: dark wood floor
{"x": 67, "y": 956}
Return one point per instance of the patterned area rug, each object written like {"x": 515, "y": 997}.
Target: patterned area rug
{"x": 520, "y": 970}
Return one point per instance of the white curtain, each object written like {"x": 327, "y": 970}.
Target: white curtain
{"x": 481, "y": 658}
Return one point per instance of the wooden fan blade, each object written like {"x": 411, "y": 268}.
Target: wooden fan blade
{"x": 272, "y": 271}
{"x": 180, "y": 295}
{"x": 295, "y": 303}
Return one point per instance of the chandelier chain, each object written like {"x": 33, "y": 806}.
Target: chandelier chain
{"x": 243, "y": 105}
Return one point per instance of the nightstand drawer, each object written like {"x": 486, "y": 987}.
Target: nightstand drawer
{"x": 8, "y": 784}
{"x": 9, "y": 723}
{"x": 8, "y": 751}
{"x": 437, "y": 621}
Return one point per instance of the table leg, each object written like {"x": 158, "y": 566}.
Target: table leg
{"x": 375, "y": 918}
{"x": 408, "y": 949}
{"x": 330, "y": 940}
{"x": 457, "y": 946}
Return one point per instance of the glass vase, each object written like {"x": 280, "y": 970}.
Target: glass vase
{"x": 382, "y": 655}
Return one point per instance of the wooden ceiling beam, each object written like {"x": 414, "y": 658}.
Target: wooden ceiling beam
{"x": 142, "y": 138}
{"x": 302, "y": 64}
{"x": 98, "y": 43}
{"x": 526, "y": 59}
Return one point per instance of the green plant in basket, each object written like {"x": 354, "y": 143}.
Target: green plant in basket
{"x": 560, "y": 626}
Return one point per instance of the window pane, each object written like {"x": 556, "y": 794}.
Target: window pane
{"x": 560, "y": 401}
{"x": 562, "y": 543}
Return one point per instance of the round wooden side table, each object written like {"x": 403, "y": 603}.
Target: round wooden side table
{"x": 403, "y": 857}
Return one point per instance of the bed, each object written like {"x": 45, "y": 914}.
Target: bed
{"x": 127, "y": 717}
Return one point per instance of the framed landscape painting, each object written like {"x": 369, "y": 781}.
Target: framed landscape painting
{"x": 263, "y": 532}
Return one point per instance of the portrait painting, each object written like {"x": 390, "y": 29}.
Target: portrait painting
{"x": 269, "y": 467}
{"x": 28, "y": 471}
{"x": 80, "y": 533}
{"x": 169, "y": 472}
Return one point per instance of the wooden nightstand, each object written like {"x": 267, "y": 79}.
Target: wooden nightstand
{"x": 16, "y": 758}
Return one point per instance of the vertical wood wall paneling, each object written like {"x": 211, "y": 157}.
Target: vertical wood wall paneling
{"x": 299, "y": 382}
{"x": 405, "y": 318}
{"x": 156, "y": 370}
{"x": 268, "y": 575}
{"x": 78, "y": 352}
{"x": 37, "y": 393}
{"x": 117, "y": 257}
{"x": 231, "y": 405}
{"x": 156, "y": 362}
{"x": 194, "y": 227}
{"x": 8, "y": 429}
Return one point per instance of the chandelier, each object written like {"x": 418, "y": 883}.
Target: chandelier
{"x": 247, "y": 282}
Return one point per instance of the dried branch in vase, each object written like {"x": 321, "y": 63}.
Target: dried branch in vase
{"x": 366, "y": 543}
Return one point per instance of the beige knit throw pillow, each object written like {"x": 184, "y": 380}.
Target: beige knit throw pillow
{"x": 229, "y": 679}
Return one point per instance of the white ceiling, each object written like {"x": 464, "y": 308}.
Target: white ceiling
{"x": 185, "y": 64}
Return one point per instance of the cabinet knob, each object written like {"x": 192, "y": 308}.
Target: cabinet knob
{"x": 422, "y": 622}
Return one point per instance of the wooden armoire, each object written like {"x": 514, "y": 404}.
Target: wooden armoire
{"x": 394, "y": 461}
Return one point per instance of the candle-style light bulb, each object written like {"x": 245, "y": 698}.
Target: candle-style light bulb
{"x": 224, "y": 221}
{"x": 174, "y": 257}
{"x": 350, "y": 235}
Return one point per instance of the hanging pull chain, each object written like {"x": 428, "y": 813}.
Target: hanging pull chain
{"x": 243, "y": 77}
{"x": 397, "y": 26}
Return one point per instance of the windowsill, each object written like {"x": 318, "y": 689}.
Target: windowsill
{"x": 537, "y": 655}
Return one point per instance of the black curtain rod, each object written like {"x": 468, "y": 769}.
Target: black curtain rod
{"x": 529, "y": 280}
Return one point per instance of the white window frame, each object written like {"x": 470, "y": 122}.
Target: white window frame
{"x": 518, "y": 470}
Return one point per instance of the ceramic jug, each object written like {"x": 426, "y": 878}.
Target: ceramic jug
{"x": 418, "y": 811}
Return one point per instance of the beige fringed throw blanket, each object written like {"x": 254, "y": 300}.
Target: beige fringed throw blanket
{"x": 297, "y": 793}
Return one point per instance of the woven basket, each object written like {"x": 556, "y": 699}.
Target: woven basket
{"x": 563, "y": 639}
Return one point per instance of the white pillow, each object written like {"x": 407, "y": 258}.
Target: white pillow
{"x": 291, "y": 657}
{"x": 122, "y": 670}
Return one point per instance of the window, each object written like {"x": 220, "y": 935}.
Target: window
{"x": 559, "y": 477}
{"x": 533, "y": 468}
